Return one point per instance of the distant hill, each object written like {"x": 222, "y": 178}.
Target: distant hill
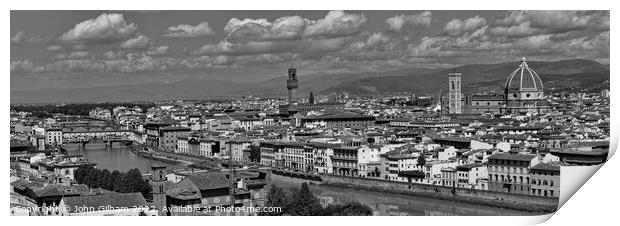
{"x": 184, "y": 89}
{"x": 192, "y": 89}
{"x": 476, "y": 77}
{"x": 483, "y": 77}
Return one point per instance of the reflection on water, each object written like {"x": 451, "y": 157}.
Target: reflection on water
{"x": 384, "y": 204}
{"x": 118, "y": 157}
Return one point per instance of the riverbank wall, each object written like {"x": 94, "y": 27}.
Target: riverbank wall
{"x": 529, "y": 203}
{"x": 194, "y": 161}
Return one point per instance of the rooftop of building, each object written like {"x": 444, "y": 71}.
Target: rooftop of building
{"x": 516, "y": 157}
{"x": 468, "y": 167}
{"x": 209, "y": 180}
{"x": 546, "y": 167}
{"x": 339, "y": 116}
{"x": 111, "y": 199}
{"x": 175, "y": 128}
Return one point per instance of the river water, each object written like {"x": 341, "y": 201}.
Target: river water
{"x": 119, "y": 157}
{"x": 384, "y": 204}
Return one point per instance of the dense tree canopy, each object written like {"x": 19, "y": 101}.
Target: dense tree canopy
{"x": 131, "y": 181}
{"x": 255, "y": 154}
{"x": 301, "y": 202}
{"x": 352, "y": 208}
{"x": 276, "y": 198}
{"x": 304, "y": 203}
{"x": 421, "y": 160}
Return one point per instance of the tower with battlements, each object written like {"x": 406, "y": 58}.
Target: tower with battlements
{"x": 292, "y": 84}
{"x": 157, "y": 181}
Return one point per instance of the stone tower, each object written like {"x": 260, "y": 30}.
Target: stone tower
{"x": 291, "y": 84}
{"x": 311, "y": 98}
{"x": 454, "y": 93}
{"x": 157, "y": 181}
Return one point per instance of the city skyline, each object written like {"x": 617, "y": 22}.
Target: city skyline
{"x": 68, "y": 49}
{"x": 305, "y": 113}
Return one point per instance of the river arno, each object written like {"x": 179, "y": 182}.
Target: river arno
{"x": 384, "y": 204}
{"x": 120, "y": 158}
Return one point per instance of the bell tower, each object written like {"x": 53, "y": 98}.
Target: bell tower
{"x": 454, "y": 93}
{"x": 291, "y": 84}
{"x": 157, "y": 181}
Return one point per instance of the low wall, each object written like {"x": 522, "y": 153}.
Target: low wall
{"x": 519, "y": 202}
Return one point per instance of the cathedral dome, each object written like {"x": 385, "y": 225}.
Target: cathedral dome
{"x": 524, "y": 79}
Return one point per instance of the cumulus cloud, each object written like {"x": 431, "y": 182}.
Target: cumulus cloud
{"x": 457, "y": 26}
{"x": 18, "y": 38}
{"x": 264, "y": 58}
{"x": 22, "y": 65}
{"x": 399, "y": 22}
{"x": 73, "y": 55}
{"x": 112, "y": 55}
{"x": 518, "y": 30}
{"x": 549, "y": 35}
{"x": 54, "y": 48}
{"x": 306, "y": 46}
{"x": 335, "y": 24}
{"x": 338, "y": 43}
{"x": 104, "y": 28}
{"x": 246, "y": 30}
{"x": 535, "y": 42}
{"x": 595, "y": 46}
{"x": 203, "y": 29}
{"x": 431, "y": 47}
{"x": 524, "y": 23}
{"x": 222, "y": 60}
{"x": 140, "y": 42}
{"x": 157, "y": 51}
{"x": 376, "y": 39}
{"x": 290, "y": 34}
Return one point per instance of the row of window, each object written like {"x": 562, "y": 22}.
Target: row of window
{"x": 344, "y": 164}
{"x": 513, "y": 179}
{"x": 542, "y": 192}
{"x": 508, "y": 162}
{"x": 542, "y": 182}
{"x": 508, "y": 169}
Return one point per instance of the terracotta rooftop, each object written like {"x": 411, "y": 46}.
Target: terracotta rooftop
{"x": 517, "y": 157}
{"x": 115, "y": 200}
{"x": 546, "y": 167}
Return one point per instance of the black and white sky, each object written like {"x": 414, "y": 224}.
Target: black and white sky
{"x": 71, "y": 49}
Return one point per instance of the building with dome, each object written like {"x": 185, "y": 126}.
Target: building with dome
{"x": 523, "y": 92}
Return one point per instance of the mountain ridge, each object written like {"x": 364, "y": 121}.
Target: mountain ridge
{"x": 475, "y": 77}
{"x": 561, "y": 74}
